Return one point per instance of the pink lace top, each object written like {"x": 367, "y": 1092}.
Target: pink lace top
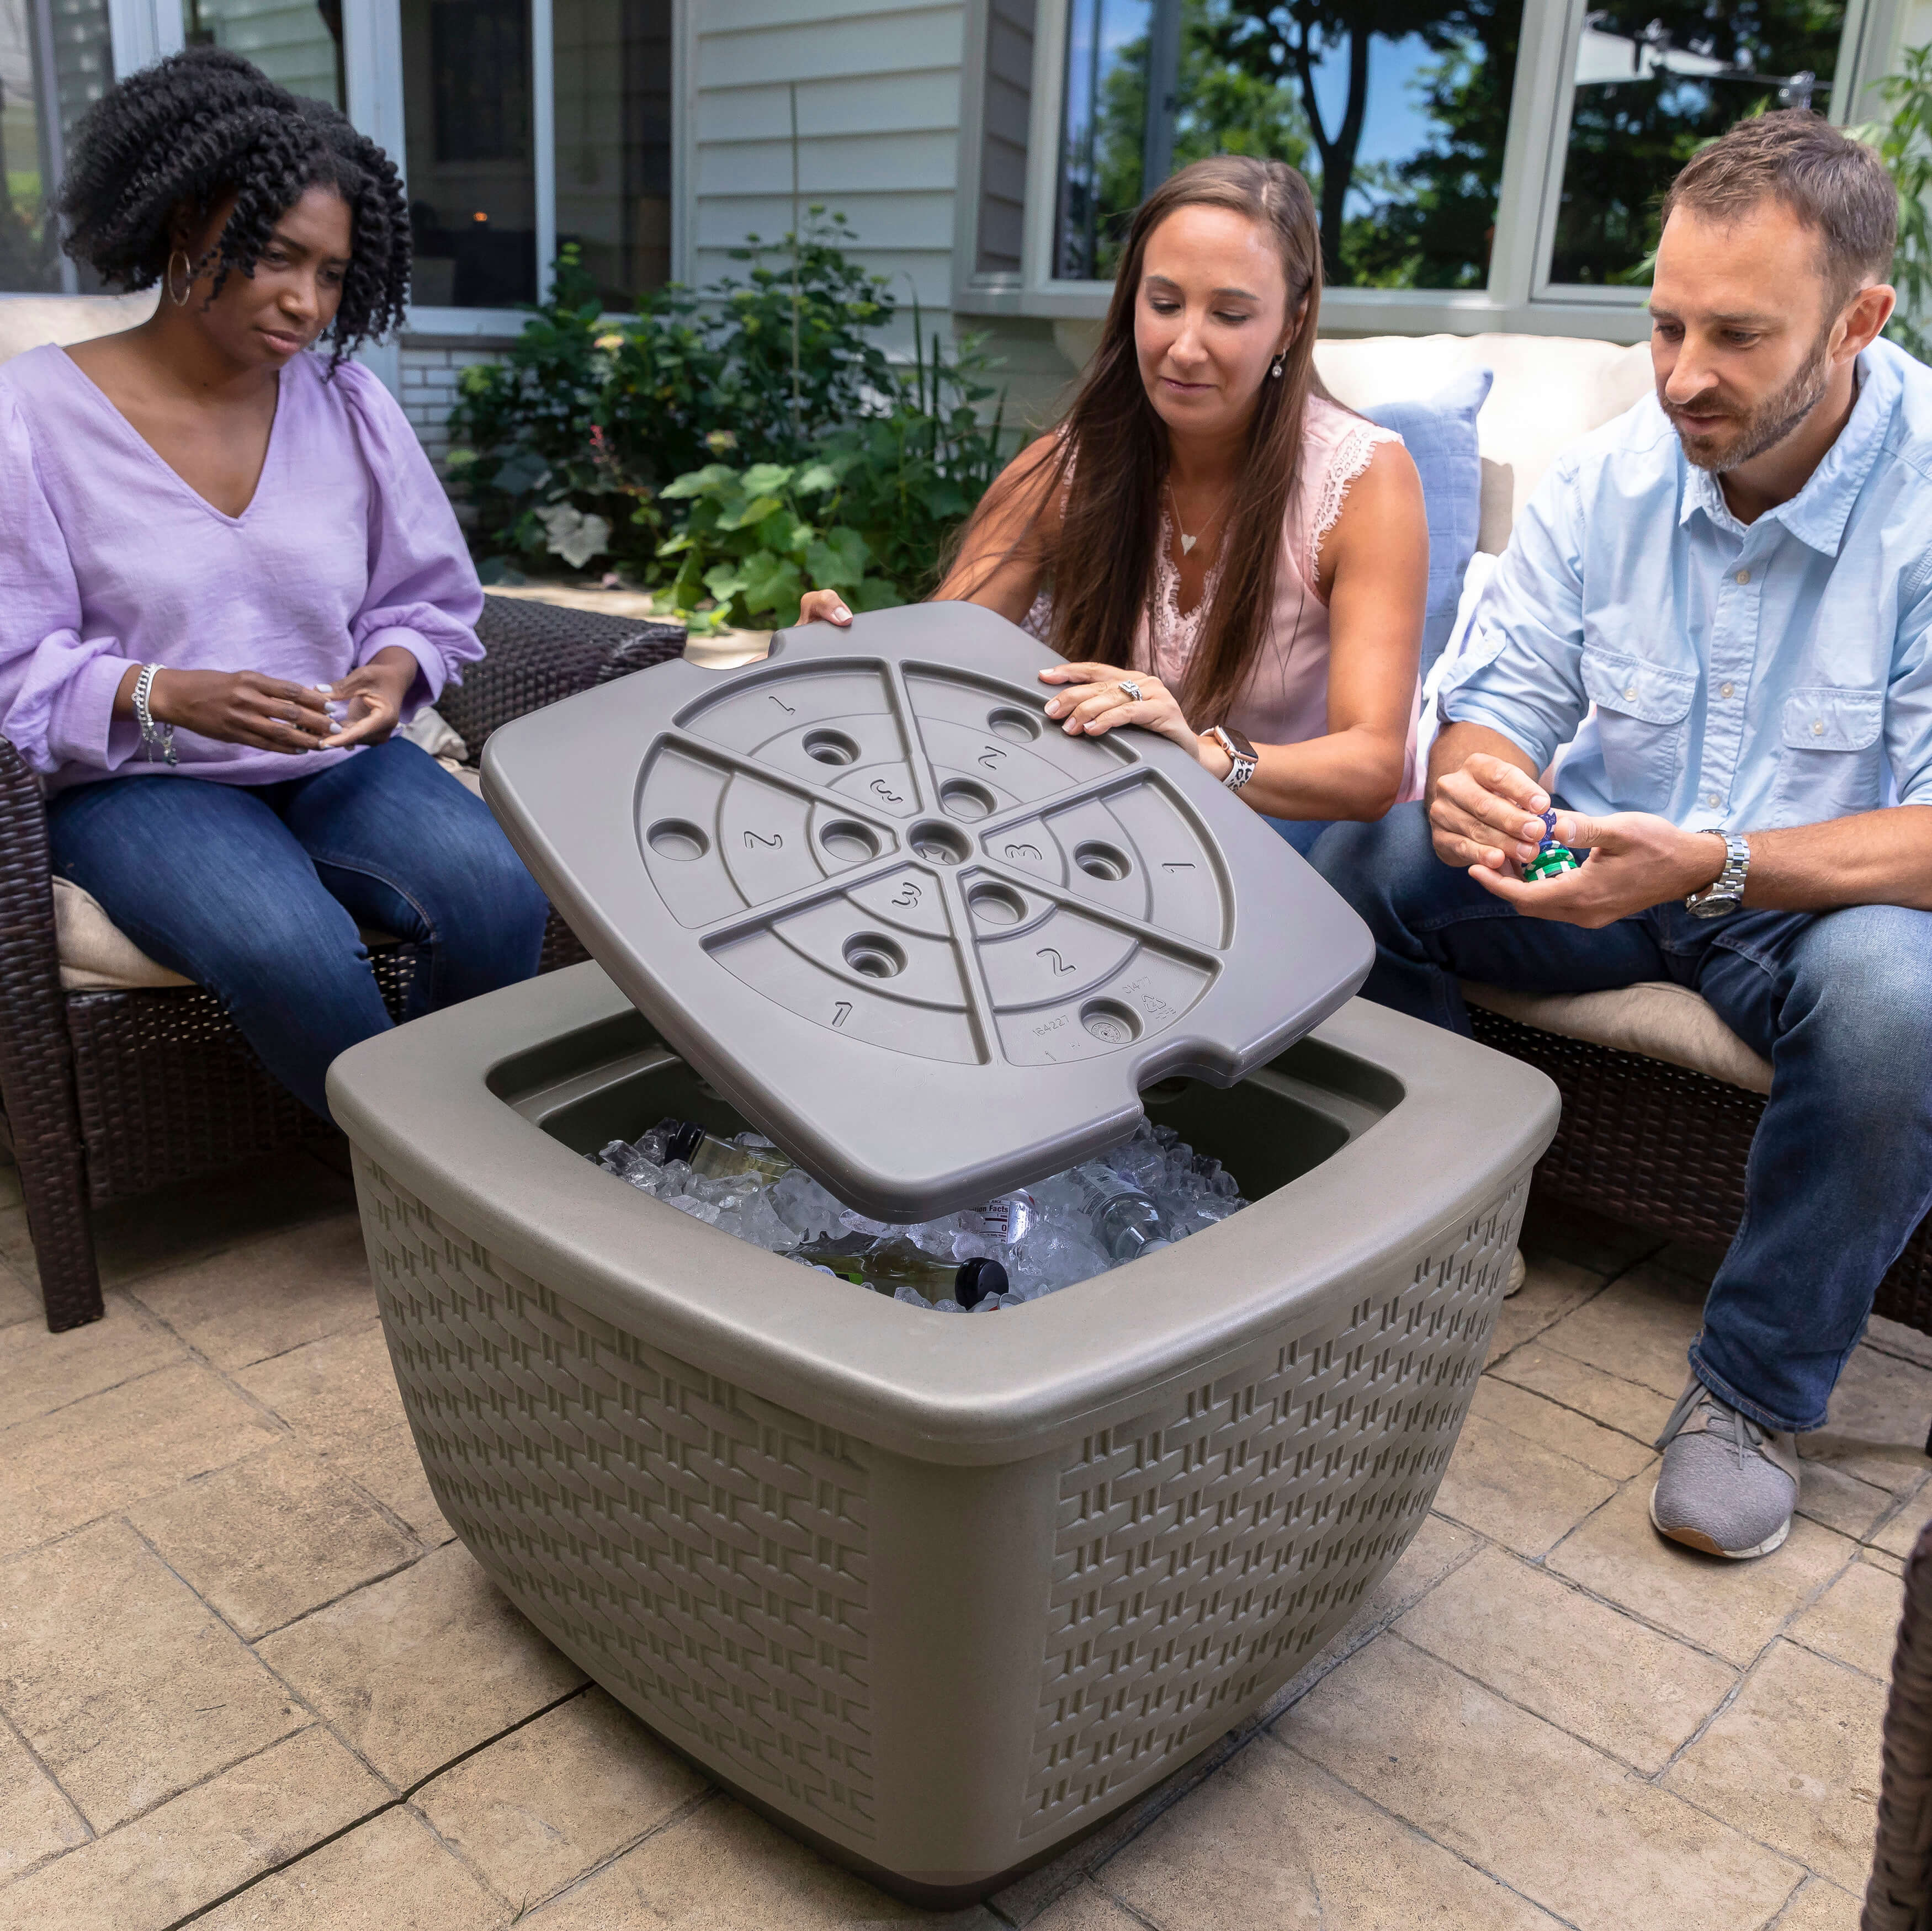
{"x": 1285, "y": 700}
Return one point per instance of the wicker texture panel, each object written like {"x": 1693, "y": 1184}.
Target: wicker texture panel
{"x": 541, "y": 652}
{"x": 1898, "y": 1897}
{"x": 1662, "y": 1147}
{"x": 36, "y": 1060}
{"x": 168, "y": 1089}
{"x": 708, "y": 1546}
{"x": 1203, "y": 1550}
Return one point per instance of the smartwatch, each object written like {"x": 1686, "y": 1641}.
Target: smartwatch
{"x": 1241, "y": 757}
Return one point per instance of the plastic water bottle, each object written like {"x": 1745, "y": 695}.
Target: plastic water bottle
{"x": 1126, "y": 1223}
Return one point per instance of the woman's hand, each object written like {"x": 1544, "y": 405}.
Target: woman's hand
{"x": 372, "y": 698}
{"x": 823, "y": 606}
{"x": 237, "y": 707}
{"x": 1097, "y": 702}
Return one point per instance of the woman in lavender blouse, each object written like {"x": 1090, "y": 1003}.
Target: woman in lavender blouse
{"x": 215, "y": 533}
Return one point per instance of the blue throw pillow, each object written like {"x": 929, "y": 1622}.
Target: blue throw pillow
{"x": 1440, "y": 434}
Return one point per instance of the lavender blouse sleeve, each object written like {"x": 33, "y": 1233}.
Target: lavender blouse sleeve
{"x": 57, "y": 686}
{"x": 423, "y": 590}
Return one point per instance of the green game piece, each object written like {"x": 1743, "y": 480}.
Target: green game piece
{"x": 1551, "y": 861}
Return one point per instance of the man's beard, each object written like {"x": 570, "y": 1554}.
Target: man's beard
{"x": 1770, "y": 423}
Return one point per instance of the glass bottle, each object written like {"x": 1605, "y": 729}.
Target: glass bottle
{"x": 721, "y": 1159}
{"x": 891, "y": 1263}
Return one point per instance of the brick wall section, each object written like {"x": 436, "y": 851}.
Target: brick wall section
{"x": 431, "y": 367}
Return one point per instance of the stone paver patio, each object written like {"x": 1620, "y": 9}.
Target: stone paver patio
{"x": 248, "y": 1678}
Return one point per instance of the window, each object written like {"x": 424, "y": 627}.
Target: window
{"x": 1476, "y": 164}
{"x": 613, "y": 140}
{"x": 470, "y": 160}
{"x": 1649, "y": 85}
{"x": 474, "y": 142}
{"x": 1396, "y": 114}
{"x": 294, "y": 42}
{"x": 56, "y": 61}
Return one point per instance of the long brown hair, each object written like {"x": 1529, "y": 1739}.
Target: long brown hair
{"x": 1115, "y": 446}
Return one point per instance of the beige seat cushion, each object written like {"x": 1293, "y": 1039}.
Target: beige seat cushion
{"x": 95, "y": 955}
{"x": 1663, "y": 1021}
{"x": 29, "y": 321}
{"x": 1549, "y": 391}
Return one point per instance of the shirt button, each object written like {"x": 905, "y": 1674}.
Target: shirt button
{"x": 1630, "y": 694}
{"x": 1743, "y": 576}
{"x": 1817, "y": 727}
{"x": 1725, "y": 690}
{"x": 1711, "y": 799}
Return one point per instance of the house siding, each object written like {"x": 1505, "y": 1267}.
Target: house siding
{"x": 878, "y": 86}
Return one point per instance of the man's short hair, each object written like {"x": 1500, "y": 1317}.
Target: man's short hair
{"x": 1836, "y": 185}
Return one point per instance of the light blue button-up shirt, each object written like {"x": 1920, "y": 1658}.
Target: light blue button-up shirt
{"x": 1752, "y": 675}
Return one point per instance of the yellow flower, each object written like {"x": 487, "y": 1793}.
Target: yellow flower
{"x": 613, "y": 341}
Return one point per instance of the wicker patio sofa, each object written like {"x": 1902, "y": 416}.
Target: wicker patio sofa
{"x": 111, "y": 1092}
{"x": 1660, "y": 1100}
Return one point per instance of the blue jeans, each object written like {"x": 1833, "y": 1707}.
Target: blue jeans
{"x": 1302, "y": 833}
{"x": 1840, "y": 1003}
{"x": 255, "y": 893}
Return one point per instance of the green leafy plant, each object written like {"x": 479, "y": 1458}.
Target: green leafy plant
{"x": 1905, "y": 140}
{"x": 592, "y": 416}
{"x": 869, "y": 515}
{"x": 748, "y": 552}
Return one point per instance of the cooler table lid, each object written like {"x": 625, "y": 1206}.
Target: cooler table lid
{"x": 929, "y": 943}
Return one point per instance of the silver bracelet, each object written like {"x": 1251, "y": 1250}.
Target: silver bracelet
{"x": 153, "y": 737}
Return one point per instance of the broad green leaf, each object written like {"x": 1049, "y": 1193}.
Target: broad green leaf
{"x": 763, "y": 479}
{"x": 706, "y": 481}
{"x": 756, "y": 511}
{"x": 839, "y": 558}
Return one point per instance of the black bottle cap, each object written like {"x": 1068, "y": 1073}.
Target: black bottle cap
{"x": 684, "y": 1142}
{"x": 975, "y": 1280}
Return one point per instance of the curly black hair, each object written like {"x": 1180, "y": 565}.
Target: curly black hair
{"x": 201, "y": 125}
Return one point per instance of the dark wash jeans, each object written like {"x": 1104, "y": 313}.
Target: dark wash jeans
{"x": 1840, "y": 1003}
{"x": 256, "y": 891}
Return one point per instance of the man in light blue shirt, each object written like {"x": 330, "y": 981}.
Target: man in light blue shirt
{"x": 1730, "y": 590}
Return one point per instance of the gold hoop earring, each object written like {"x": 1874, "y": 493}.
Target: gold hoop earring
{"x": 187, "y": 278}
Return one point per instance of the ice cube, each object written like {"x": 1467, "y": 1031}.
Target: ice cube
{"x": 698, "y": 1209}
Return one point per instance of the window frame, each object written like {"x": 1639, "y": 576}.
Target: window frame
{"x": 1856, "y": 43}
{"x": 1518, "y": 297}
{"x": 141, "y": 31}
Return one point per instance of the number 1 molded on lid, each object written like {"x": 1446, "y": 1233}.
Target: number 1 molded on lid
{"x": 928, "y": 942}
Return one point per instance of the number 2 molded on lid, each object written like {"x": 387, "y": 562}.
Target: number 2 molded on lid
{"x": 929, "y": 942}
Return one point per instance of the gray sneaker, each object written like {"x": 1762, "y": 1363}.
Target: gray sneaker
{"x": 1727, "y": 1486}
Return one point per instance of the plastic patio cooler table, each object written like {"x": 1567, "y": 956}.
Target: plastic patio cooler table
{"x": 937, "y": 1593}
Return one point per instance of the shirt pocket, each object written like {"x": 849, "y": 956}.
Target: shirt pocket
{"x": 1642, "y": 714}
{"x": 1830, "y": 763}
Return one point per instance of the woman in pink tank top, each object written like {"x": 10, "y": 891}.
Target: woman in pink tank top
{"x": 1223, "y": 552}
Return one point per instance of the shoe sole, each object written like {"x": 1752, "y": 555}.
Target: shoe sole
{"x": 1697, "y": 1540}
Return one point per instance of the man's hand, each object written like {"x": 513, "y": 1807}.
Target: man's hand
{"x": 1486, "y": 813}
{"x": 1636, "y": 860}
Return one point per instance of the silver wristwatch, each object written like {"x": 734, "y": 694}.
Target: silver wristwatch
{"x": 1726, "y": 892}
{"x": 1241, "y": 757}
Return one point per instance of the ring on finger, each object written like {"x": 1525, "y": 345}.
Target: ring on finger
{"x": 1130, "y": 689}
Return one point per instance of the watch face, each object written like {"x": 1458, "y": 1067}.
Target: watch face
{"x": 1239, "y": 742}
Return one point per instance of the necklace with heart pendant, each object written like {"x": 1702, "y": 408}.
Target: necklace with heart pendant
{"x": 1187, "y": 542}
